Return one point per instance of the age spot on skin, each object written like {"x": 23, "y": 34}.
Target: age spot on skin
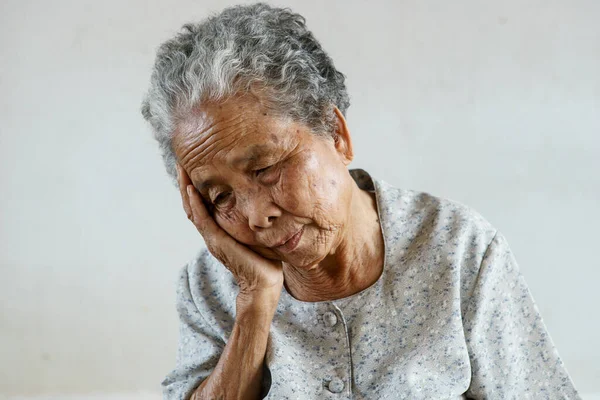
{"x": 333, "y": 182}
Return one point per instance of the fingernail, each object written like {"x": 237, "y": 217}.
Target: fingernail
{"x": 189, "y": 190}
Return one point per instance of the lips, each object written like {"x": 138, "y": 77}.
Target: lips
{"x": 290, "y": 243}
{"x": 281, "y": 243}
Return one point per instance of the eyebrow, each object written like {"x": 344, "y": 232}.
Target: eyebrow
{"x": 205, "y": 184}
{"x": 250, "y": 159}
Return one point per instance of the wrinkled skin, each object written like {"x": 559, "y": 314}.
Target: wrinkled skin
{"x": 263, "y": 178}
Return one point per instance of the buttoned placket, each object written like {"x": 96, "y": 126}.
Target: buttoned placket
{"x": 338, "y": 381}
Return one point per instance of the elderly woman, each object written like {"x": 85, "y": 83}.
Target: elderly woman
{"x": 320, "y": 282}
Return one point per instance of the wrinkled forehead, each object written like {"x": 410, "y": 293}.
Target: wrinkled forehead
{"x": 208, "y": 119}
{"x": 238, "y": 129}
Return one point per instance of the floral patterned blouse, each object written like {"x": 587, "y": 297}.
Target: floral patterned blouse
{"x": 450, "y": 317}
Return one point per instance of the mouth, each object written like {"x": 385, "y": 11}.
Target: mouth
{"x": 291, "y": 243}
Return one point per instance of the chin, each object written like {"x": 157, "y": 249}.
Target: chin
{"x": 303, "y": 261}
{"x": 265, "y": 252}
{"x": 297, "y": 260}
{"x": 308, "y": 256}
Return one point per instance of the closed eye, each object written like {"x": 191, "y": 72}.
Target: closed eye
{"x": 269, "y": 175}
{"x": 221, "y": 198}
{"x": 258, "y": 172}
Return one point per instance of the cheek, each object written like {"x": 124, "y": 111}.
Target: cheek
{"x": 235, "y": 225}
{"x": 311, "y": 185}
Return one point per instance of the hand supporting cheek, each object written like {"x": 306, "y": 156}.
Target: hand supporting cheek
{"x": 253, "y": 273}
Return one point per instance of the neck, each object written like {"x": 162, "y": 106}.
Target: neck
{"x": 353, "y": 265}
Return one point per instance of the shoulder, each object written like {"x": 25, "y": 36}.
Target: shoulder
{"x": 424, "y": 231}
{"x": 435, "y": 235}
{"x": 420, "y": 212}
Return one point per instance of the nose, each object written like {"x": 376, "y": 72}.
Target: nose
{"x": 262, "y": 213}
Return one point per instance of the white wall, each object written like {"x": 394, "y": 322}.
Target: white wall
{"x": 494, "y": 104}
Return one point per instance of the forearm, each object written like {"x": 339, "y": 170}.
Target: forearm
{"x": 238, "y": 373}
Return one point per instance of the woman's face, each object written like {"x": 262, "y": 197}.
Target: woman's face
{"x": 265, "y": 179}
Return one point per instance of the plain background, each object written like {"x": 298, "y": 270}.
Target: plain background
{"x": 493, "y": 104}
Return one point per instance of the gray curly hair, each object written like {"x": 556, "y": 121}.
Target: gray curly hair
{"x": 243, "y": 49}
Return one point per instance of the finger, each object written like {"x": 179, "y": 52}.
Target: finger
{"x": 216, "y": 239}
{"x": 200, "y": 216}
{"x": 184, "y": 180}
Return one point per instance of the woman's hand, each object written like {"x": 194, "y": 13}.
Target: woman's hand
{"x": 254, "y": 274}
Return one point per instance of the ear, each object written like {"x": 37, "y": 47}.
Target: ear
{"x": 341, "y": 138}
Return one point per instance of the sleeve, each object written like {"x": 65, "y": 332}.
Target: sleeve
{"x": 511, "y": 353}
{"x": 199, "y": 347}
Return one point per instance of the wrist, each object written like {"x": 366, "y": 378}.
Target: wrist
{"x": 258, "y": 301}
